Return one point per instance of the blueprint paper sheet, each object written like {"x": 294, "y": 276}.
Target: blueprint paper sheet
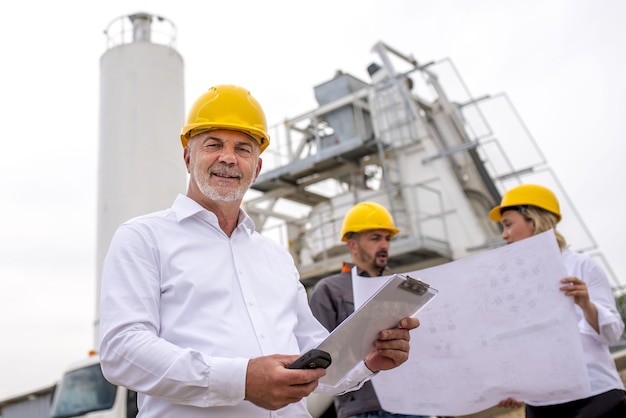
{"x": 500, "y": 328}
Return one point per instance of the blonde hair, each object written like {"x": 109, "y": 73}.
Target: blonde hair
{"x": 543, "y": 221}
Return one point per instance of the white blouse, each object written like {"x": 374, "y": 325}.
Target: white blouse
{"x": 603, "y": 375}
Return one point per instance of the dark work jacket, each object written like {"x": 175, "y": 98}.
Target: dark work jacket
{"x": 332, "y": 301}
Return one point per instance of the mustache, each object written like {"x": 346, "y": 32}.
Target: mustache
{"x": 224, "y": 169}
{"x": 382, "y": 253}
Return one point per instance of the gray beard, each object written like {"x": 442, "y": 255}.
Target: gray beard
{"x": 216, "y": 195}
{"x": 213, "y": 193}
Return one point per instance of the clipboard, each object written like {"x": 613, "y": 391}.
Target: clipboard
{"x": 400, "y": 297}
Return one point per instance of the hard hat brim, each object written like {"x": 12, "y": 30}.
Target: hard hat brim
{"x": 495, "y": 214}
{"x": 257, "y": 135}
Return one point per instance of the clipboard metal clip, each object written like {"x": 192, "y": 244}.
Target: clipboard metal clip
{"x": 413, "y": 285}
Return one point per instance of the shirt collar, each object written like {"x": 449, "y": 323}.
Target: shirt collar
{"x": 184, "y": 207}
{"x": 347, "y": 267}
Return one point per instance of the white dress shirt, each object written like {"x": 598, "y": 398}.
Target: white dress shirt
{"x": 184, "y": 307}
{"x": 603, "y": 375}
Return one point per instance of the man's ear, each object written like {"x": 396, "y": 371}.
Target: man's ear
{"x": 259, "y": 164}
{"x": 187, "y": 157}
{"x": 351, "y": 244}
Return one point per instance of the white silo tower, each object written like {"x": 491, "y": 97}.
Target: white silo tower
{"x": 140, "y": 160}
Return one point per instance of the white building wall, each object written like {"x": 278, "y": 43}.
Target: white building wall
{"x": 463, "y": 227}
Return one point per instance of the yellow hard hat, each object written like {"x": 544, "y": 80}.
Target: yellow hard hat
{"x": 527, "y": 194}
{"x": 227, "y": 107}
{"x": 366, "y": 216}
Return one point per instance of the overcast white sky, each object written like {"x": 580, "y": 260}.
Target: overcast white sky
{"x": 561, "y": 62}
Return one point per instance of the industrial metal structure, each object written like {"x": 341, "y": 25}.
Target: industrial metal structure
{"x": 413, "y": 139}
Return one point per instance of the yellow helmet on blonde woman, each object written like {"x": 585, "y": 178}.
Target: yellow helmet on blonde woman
{"x": 227, "y": 107}
{"x": 527, "y": 194}
{"x": 365, "y": 216}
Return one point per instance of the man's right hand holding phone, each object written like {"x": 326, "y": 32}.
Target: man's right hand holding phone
{"x": 271, "y": 385}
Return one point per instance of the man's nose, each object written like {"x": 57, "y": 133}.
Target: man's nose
{"x": 228, "y": 155}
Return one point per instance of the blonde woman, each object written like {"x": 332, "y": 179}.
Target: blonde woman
{"x": 530, "y": 209}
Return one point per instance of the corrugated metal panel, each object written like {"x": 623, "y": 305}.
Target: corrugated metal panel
{"x": 31, "y": 406}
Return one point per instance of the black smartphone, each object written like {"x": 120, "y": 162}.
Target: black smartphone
{"x": 312, "y": 359}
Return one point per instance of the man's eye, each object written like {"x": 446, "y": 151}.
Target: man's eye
{"x": 244, "y": 150}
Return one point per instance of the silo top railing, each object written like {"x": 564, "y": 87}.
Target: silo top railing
{"x": 140, "y": 27}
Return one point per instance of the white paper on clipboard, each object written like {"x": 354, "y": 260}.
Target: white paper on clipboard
{"x": 348, "y": 344}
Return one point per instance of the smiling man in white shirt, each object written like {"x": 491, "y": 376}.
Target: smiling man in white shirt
{"x": 200, "y": 314}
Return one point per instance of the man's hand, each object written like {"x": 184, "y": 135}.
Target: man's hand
{"x": 392, "y": 346}
{"x": 270, "y": 385}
